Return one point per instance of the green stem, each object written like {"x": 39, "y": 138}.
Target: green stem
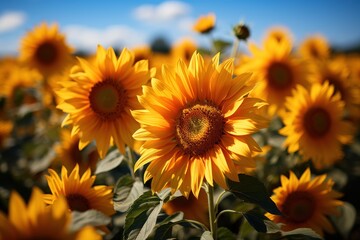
{"x": 234, "y": 48}
{"x": 227, "y": 211}
{"x": 212, "y": 213}
{"x": 131, "y": 161}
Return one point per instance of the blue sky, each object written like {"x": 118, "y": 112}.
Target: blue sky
{"x": 118, "y": 23}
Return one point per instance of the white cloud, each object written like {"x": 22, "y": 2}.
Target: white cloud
{"x": 11, "y": 20}
{"x": 163, "y": 12}
{"x": 86, "y": 38}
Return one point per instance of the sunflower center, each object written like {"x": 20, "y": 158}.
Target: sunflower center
{"x": 77, "y": 202}
{"x": 279, "y": 76}
{"x": 108, "y": 99}
{"x": 314, "y": 51}
{"x": 46, "y": 53}
{"x": 317, "y": 122}
{"x": 198, "y": 128}
{"x": 299, "y": 207}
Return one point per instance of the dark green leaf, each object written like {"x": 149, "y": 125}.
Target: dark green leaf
{"x": 250, "y": 189}
{"x": 126, "y": 192}
{"x": 346, "y": 220}
{"x": 225, "y": 234}
{"x": 111, "y": 161}
{"x": 164, "y": 231}
{"x": 256, "y": 220}
{"x": 141, "y": 216}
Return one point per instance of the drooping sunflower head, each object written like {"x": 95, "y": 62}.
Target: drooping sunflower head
{"x": 205, "y": 24}
{"x": 45, "y": 49}
{"x": 276, "y": 72}
{"x": 315, "y": 47}
{"x": 306, "y": 202}
{"x": 197, "y": 124}
{"x": 38, "y": 221}
{"x": 314, "y": 125}
{"x": 99, "y": 96}
{"x": 79, "y": 191}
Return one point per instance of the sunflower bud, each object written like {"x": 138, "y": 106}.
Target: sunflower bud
{"x": 241, "y": 31}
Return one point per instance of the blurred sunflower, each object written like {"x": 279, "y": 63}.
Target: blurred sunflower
{"x": 78, "y": 191}
{"x": 205, "y": 24}
{"x": 276, "y": 72}
{"x": 20, "y": 87}
{"x": 277, "y": 35}
{"x": 6, "y": 128}
{"x": 45, "y": 49}
{"x": 337, "y": 72}
{"x": 197, "y": 123}
{"x": 192, "y": 207}
{"x": 141, "y": 53}
{"x": 306, "y": 202}
{"x": 69, "y": 154}
{"x": 315, "y": 47}
{"x": 100, "y": 96}
{"x": 184, "y": 49}
{"x": 38, "y": 221}
{"x": 314, "y": 125}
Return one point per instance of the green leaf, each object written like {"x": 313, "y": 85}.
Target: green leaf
{"x": 221, "y": 45}
{"x": 164, "y": 231}
{"x": 111, "y": 161}
{"x": 346, "y": 220}
{"x": 250, "y": 189}
{"x": 90, "y": 217}
{"x": 225, "y": 234}
{"x": 127, "y": 190}
{"x": 206, "y": 236}
{"x": 141, "y": 216}
{"x": 256, "y": 220}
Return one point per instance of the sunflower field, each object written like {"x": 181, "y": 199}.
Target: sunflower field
{"x": 233, "y": 140}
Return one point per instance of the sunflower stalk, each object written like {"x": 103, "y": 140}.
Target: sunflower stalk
{"x": 235, "y": 48}
{"x": 212, "y": 211}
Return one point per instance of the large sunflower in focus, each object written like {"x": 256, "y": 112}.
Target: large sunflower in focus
{"x": 197, "y": 125}
{"x": 38, "y": 221}
{"x": 306, "y": 202}
{"x": 314, "y": 125}
{"x": 45, "y": 49}
{"x": 99, "y": 99}
{"x": 276, "y": 72}
{"x": 79, "y": 192}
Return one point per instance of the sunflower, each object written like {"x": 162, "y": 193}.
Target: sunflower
{"x": 314, "y": 125}
{"x": 142, "y": 53}
{"x": 37, "y": 221}
{"x": 277, "y": 35}
{"x": 78, "y": 191}
{"x": 337, "y": 72}
{"x": 19, "y": 87}
{"x": 6, "y": 128}
{"x": 197, "y": 123}
{"x": 45, "y": 49}
{"x": 276, "y": 70}
{"x": 315, "y": 47}
{"x": 192, "y": 207}
{"x": 205, "y": 24}
{"x": 306, "y": 202}
{"x": 69, "y": 154}
{"x": 100, "y": 96}
{"x": 184, "y": 49}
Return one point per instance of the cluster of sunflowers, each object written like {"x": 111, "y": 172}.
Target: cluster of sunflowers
{"x": 182, "y": 143}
